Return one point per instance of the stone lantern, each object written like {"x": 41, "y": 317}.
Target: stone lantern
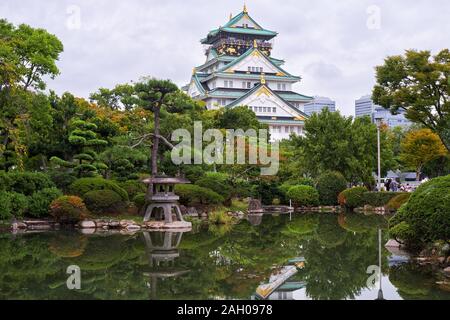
{"x": 164, "y": 202}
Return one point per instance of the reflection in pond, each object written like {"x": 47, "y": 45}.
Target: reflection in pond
{"x": 215, "y": 263}
{"x": 162, "y": 250}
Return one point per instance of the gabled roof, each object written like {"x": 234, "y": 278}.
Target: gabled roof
{"x": 201, "y": 87}
{"x": 231, "y": 27}
{"x": 250, "y": 52}
{"x": 258, "y": 87}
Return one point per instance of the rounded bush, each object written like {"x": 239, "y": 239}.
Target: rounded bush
{"x": 330, "y": 185}
{"x": 217, "y": 182}
{"x": 303, "y": 196}
{"x": 26, "y": 183}
{"x": 104, "y": 202}
{"x": 5, "y": 206}
{"x": 18, "y": 204}
{"x": 39, "y": 202}
{"x": 84, "y": 185}
{"x": 133, "y": 187}
{"x": 425, "y": 217}
{"x": 192, "y": 194}
{"x": 68, "y": 209}
{"x": 378, "y": 199}
{"x": 139, "y": 200}
{"x": 396, "y": 202}
{"x": 62, "y": 180}
{"x": 352, "y": 198}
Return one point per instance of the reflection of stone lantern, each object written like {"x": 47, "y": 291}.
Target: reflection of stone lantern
{"x": 164, "y": 202}
{"x": 162, "y": 249}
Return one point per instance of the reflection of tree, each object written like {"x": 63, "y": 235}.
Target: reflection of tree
{"x": 416, "y": 282}
{"x": 336, "y": 261}
{"x": 358, "y": 222}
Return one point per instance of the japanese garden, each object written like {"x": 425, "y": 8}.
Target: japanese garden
{"x": 92, "y": 181}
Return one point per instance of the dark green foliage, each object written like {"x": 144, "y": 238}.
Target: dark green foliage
{"x": 84, "y": 185}
{"x": 330, "y": 185}
{"x": 303, "y": 196}
{"x": 193, "y": 194}
{"x": 396, "y": 202}
{"x": 352, "y": 198}
{"x": 379, "y": 199}
{"x": 139, "y": 200}
{"x": 266, "y": 190}
{"x": 5, "y": 206}
{"x": 18, "y": 204}
{"x": 68, "y": 209}
{"x": 104, "y": 202}
{"x": 24, "y": 182}
{"x": 62, "y": 179}
{"x": 133, "y": 187}
{"x": 425, "y": 217}
{"x": 39, "y": 202}
{"x": 217, "y": 182}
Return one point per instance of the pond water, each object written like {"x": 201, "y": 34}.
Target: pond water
{"x": 332, "y": 253}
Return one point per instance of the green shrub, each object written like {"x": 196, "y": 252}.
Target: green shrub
{"x": 133, "y": 187}
{"x": 352, "y": 198}
{"x": 104, "y": 202}
{"x": 219, "y": 217}
{"x": 396, "y": 202}
{"x": 19, "y": 204}
{"x": 62, "y": 179}
{"x": 378, "y": 199}
{"x": 425, "y": 218}
{"x": 68, "y": 209}
{"x": 192, "y": 194}
{"x": 39, "y": 202}
{"x": 5, "y": 206}
{"x": 303, "y": 196}
{"x": 330, "y": 185}
{"x": 84, "y": 185}
{"x": 217, "y": 182}
{"x": 139, "y": 200}
{"x": 26, "y": 183}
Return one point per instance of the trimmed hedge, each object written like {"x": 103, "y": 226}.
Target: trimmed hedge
{"x": 395, "y": 203}
{"x": 25, "y": 183}
{"x": 104, "y": 202}
{"x": 303, "y": 196}
{"x": 330, "y": 185}
{"x": 39, "y": 202}
{"x": 84, "y": 185}
{"x": 133, "y": 187}
{"x": 191, "y": 194}
{"x": 379, "y": 199}
{"x": 68, "y": 209}
{"x": 352, "y": 198}
{"x": 425, "y": 218}
{"x": 217, "y": 182}
{"x": 139, "y": 200}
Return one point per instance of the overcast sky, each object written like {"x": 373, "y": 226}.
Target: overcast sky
{"x": 333, "y": 45}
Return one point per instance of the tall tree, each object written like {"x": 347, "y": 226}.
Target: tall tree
{"x": 154, "y": 95}
{"x": 420, "y": 147}
{"x": 419, "y": 84}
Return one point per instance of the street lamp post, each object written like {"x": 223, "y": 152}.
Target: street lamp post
{"x": 379, "y": 121}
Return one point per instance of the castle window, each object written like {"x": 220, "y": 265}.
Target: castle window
{"x": 274, "y": 110}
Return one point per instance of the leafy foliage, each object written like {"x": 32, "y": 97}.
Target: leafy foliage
{"x": 303, "y": 196}
{"x": 379, "y": 199}
{"x": 68, "y": 209}
{"x": 352, "y": 198}
{"x": 104, "y": 202}
{"x": 425, "y": 217}
{"x": 39, "y": 202}
{"x": 84, "y": 185}
{"x": 330, "y": 185}
{"x": 194, "y": 195}
{"x": 398, "y": 201}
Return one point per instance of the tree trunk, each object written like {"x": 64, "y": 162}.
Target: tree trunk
{"x": 155, "y": 145}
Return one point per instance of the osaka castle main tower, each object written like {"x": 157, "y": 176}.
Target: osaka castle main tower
{"x": 240, "y": 71}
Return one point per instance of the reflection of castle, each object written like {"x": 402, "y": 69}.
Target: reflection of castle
{"x": 162, "y": 249}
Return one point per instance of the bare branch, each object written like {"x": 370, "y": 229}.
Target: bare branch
{"x": 151, "y": 135}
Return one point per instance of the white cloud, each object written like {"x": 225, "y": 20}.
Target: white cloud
{"x": 327, "y": 42}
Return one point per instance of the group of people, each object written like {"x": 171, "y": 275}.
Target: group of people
{"x": 391, "y": 185}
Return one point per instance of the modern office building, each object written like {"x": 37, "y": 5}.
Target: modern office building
{"x": 365, "y": 107}
{"x": 319, "y": 104}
